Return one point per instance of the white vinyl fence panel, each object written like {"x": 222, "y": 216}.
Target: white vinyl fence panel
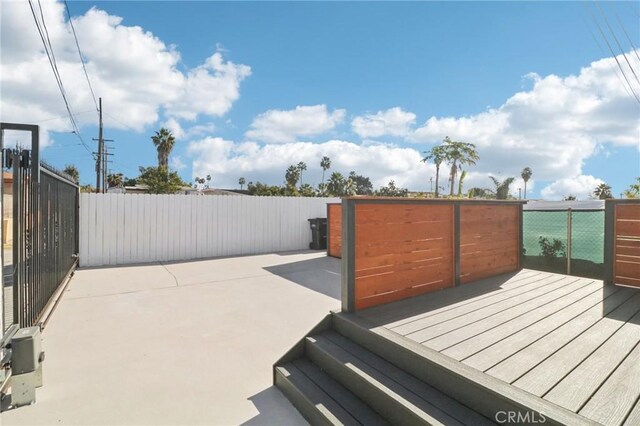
{"x": 117, "y": 229}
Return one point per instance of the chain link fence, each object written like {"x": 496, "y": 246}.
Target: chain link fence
{"x": 566, "y": 241}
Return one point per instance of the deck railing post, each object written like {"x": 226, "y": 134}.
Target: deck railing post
{"x": 520, "y": 234}
{"x": 456, "y": 244}
{"x": 569, "y": 220}
{"x": 348, "y": 255}
{"x": 609, "y": 240}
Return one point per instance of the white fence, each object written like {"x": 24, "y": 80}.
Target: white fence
{"x": 118, "y": 229}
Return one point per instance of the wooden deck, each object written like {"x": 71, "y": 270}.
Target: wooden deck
{"x": 572, "y": 341}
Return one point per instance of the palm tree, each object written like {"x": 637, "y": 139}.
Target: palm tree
{"x": 438, "y": 155}
{"x": 115, "y": 180}
{"x": 336, "y": 184}
{"x": 603, "y": 191}
{"x": 164, "y": 142}
{"x": 73, "y": 172}
{"x": 302, "y": 166}
{"x": 292, "y": 175}
{"x": 241, "y": 181}
{"x": 526, "y": 175}
{"x": 502, "y": 188}
{"x": 325, "y": 163}
{"x": 457, "y": 154}
{"x": 634, "y": 190}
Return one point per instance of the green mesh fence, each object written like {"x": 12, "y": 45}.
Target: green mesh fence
{"x": 545, "y": 242}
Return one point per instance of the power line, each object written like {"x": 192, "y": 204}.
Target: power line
{"x": 606, "y": 20}
{"x": 614, "y": 56}
{"x": 50, "y": 55}
{"x": 625, "y": 32}
{"x": 80, "y": 54}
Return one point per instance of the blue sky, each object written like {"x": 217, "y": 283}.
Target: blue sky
{"x": 506, "y": 76}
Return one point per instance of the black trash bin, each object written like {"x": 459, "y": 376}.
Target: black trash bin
{"x": 318, "y": 233}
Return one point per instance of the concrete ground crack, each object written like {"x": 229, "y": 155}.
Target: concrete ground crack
{"x": 170, "y": 273}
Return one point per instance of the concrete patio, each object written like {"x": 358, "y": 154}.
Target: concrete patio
{"x": 180, "y": 343}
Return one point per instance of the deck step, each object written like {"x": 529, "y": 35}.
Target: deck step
{"x": 319, "y": 398}
{"x": 398, "y": 397}
{"x": 478, "y": 391}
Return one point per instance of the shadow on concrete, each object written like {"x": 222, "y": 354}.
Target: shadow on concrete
{"x": 274, "y": 409}
{"x": 321, "y": 274}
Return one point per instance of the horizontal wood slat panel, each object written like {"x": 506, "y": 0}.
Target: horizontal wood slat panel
{"x": 628, "y": 228}
{"x": 401, "y": 251}
{"x": 626, "y": 268}
{"x": 490, "y": 241}
{"x": 334, "y": 230}
{"x": 628, "y": 211}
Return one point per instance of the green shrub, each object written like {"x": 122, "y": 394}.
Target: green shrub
{"x": 551, "y": 249}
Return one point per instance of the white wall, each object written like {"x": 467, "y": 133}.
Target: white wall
{"x": 118, "y": 229}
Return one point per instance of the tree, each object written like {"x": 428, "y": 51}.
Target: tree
{"x": 115, "y": 180}
{"x": 463, "y": 175}
{"x": 302, "y": 166}
{"x": 307, "y": 190}
{"x": 569, "y": 197}
{"x": 73, "y": 172}
{"x": 602, "y": 191}
{"x": 363, "y": 184}
{"x": 457, "y": 154}
{"x": 526, "y": 175}
{"x": 164, "y": 142}
{"x": 502, "y": 188}
{"x": 291, "y": 177}
{"x": 634, "y": 190}
{"x": 336, "y": 184}
{"x": 391, "y": 190}
{"x": 325, "y": 163}
{"x": 160, "y": 180}
{"x": 262, "y": 189}
{"x": 130, "y": 181}
{"x": 437, "y": 154}
{"x": 87, "y": 188}
{"x": 241, "y": 181}
{"x": 480, "y": 193}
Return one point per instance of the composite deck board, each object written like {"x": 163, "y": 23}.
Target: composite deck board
{"x": 432, "y": 327}
{"x": 634, "y": 416}
{"x": 348, "y": 401}
{"x": 511, "y": 350}
{"x": 485, "y": 303}
{"x": 616, "y": 398}
{"x": 469, "y": 330}
{"x": 408, "y": 310}
{"x": 426, "y": 392}
{"x": 536, "y": 322}
{"x": 571, "y": 341}
{"x": 583, "y": 381}
{"x": 516, "y": 366}
{"x": 547, "y": 374}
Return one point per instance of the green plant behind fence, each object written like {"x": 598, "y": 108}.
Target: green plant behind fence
{"x": 542, "y": 229}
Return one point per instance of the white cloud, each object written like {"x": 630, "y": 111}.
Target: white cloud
{"x": 177, "y": 163}
{"x": 227, "y": 161}
{"x": 283, "y": 126}
{"x": 176, "y": 129}
{"x": 581, "y": 187}
{"x": 134, "y": 71}
{"x": 553, "y": 128}
{"x": 391, "y": 122}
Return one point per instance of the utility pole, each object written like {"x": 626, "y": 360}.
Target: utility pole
{"x": 99, "y": 156}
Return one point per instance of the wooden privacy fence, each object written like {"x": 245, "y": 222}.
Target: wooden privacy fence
{"x": 622, "y": 242}
{"x": 118, "y": 229}
{"x": 334, "y": 229}
{"x": 398, "y": 248}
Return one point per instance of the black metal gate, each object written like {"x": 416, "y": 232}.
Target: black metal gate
{"x": 45, "y": 230}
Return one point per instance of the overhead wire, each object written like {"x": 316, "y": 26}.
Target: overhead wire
{"x": 606, "y": 20}
{"x": 615, "y": 57}
{"x": 46, "y": 42}
{"x": 84, "y": 68}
